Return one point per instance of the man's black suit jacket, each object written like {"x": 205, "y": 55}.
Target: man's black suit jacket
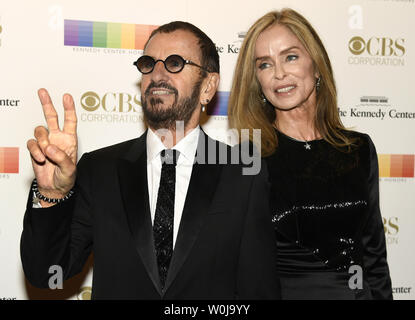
{"x": 225, "y": 248}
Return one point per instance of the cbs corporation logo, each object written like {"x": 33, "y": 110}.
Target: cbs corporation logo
{"x": 377, "y": 46}
{"x": 111, "y": 102}
{"x": 377, "y": 51}
{"x": 391, "y": 229}
{"x": 111, "y": 107}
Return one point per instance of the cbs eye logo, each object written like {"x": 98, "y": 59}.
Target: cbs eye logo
{"x": 376, "y": 46}
{"x": 90, "y": 101}
{"x": 357, "y": 45}
{"x": 84, "y": 293}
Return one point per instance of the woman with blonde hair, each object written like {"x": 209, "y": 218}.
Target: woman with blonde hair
{"x": 324, "y": 178}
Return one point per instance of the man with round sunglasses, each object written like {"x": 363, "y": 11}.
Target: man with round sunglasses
{"x": 163, "y": 215}
{"x": 173, "y": 63}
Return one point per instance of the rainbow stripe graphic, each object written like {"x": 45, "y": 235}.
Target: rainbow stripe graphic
{"x": 106, "y": 34}
{"x": 396, "y": 165}
{"x": 9, "y": 160}
{"x": 219, "y": 104}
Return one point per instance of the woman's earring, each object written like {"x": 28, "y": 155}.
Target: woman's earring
{"x": 264, "y": 100}
{"x": 318, "y": 84}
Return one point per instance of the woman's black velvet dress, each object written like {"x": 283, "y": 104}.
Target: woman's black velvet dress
{"x": 328, "y": 225}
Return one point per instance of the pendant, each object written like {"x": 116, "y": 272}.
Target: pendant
{"x": 307, "y": 146}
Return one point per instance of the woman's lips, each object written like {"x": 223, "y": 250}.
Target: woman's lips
{"x": 284, "y": 89}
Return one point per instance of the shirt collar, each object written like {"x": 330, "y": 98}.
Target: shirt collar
{"x": 186, "y": 146}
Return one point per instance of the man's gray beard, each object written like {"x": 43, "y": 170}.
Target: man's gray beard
{"x": 165, "y": 118}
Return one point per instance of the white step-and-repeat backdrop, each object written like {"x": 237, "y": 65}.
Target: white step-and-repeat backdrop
{"x": 87, "y": 48}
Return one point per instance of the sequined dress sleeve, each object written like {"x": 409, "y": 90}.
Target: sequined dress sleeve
{"x": 373, "y": 239}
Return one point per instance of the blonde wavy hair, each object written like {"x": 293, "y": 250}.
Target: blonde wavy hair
{"x": 246, "y": 109}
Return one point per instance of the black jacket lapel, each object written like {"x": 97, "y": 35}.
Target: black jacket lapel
{"x": 132, "y": 170}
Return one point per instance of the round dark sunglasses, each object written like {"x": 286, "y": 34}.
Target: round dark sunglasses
{"x": 173, "y": 64}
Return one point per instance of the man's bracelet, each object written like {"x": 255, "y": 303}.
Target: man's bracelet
{"x": 40, "y": 196}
